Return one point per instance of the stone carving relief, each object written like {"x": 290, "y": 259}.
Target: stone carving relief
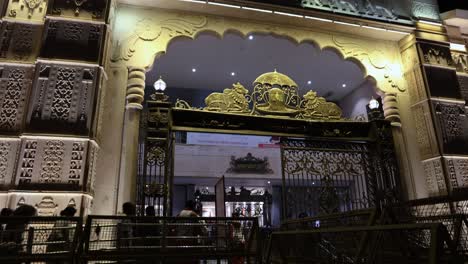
{"x": 48, "y": 204}
{"x": 423, "y": 9}
{"x": 153, "y": 30}
{"x": 62, "y": 98}
{"x": 461, "y": 61}
{"x": 46, "y": 207}
{"x": 426, "y": 140}
{"x": 436, "y": 55}
{"x": 83, "y": 9}
{"x": 390, "y": 107}
{"x": 93, "y": 154}
{"x": 15, "y": 85}
{"x": 458, "y": 171}
{"x": 463, "y": 81}
{"x": 9, "y": 148}
{"x": 451, "y": 118}
{"x": 33, "y": 10}
{"x": 52, "y": 161}
{"x": 149, "y": 30}
{"x": 19, "y": 41}
{"x": 435, "y": 177}
{"x": 353, "y": 7}
{"x": 72, "y": 40}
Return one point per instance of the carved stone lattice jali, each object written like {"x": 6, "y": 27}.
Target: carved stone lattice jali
{"x": 457, "y": 172}
{"x": 153, "y": 29}
{"x": 9, "y": 148}
{"x": 20, "y": 41}
{"x": 435, "y": 179}
{"x": 31, "y": 10}
{"x": 451, "y": 119}
{"x": 48, "y": 161}
{"x": 62, "y": 98}
{"x": 73, "y": 40}
{"x": 15, "y": 85}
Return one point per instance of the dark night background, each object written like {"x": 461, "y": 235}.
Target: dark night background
{"x": 447, "y": 5}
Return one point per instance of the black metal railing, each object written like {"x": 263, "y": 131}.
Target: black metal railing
{"x": 24, "y": 239}
{"x": 157, "y": 238}
{"x": 411, "y": 243}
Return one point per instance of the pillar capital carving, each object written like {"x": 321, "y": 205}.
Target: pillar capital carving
{"x": 135, "y": 88}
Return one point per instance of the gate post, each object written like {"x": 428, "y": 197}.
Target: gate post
{"x": 128, "y": 161}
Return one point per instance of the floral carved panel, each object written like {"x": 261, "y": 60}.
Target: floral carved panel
{"x": 73, "y": 40}
{"x": 31, "y": 10}
{"x": 9, "y": 148}
{"x": 82, "y": 9}
{"x": 139, "y": 39}
{"x": 435, "y": 178}
{"x": 62, "y": 98}
{"x": 461, "y": 61}
{"x": 93, "y": 153}
{"x": 451, "y": 118}
{"x": 52, "y": 161}
{"x": 457, "y": 172}
{"x": 436, "y": 55}
{"x": 20, "y": 41}
{"x": 47, "y": 204}
{"x": 15, "y": 85}
{"x": 427, "y": 142}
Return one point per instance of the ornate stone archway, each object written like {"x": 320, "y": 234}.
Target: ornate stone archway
{"x": 141, "y": 35}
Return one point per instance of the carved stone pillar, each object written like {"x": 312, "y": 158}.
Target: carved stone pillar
{"x": 128, "y": 161}
{"x": 438, "y": 111}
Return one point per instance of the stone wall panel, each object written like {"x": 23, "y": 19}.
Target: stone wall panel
{"x": 435, "y": 178}
{"x": 457, "y": 169}
{"x": 73, "y": 40}
{"x": 463, "y": 82}
{"x": 9, "y": 148}
{"x": 63, "y": 98}
{"x": 425, "y": 133}
{"x": 20, "y": 41}
{"x": 15, "y": 87}
{"x": 442, "y": 82}
{"x": 435, "y": 54}
{"x": 88, "y": 10}
{"x": 450, "y": 119}
{"x": 46, "y": 162}
{"x": 30, "y": 10}
{"x": 46, "y": 204}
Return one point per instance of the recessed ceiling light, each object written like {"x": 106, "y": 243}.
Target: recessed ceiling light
{"x": 344, "y": 85}
{"x": 309, "y": 82}
{"x": 269, "y": 182}
{"x": 194, "y": 70}
{"x": 233, "y": 74}
{"x": 250, "y": 37}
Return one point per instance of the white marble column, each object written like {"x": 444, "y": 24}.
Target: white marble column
{"x": 129, "y": 156}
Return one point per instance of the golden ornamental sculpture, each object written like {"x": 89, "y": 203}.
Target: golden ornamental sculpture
{"x": 274, "y": 94}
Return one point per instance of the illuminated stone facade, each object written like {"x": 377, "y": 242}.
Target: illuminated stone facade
{"x": 73, "y": 76}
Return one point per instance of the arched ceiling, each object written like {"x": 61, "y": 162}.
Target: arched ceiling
{"x": 216, "y": 59}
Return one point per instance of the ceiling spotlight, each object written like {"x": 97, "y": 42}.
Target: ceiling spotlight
{"x": 268, "y": 182}
{"x": 309, "y": 82}
{"x": 233, "y": 74}
{"x": 344, "y": 85}
{"x": 250, "y": 37}
{"x": 194, "y": 70}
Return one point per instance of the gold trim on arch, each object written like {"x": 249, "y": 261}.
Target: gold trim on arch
{"x": 140, "y": 35}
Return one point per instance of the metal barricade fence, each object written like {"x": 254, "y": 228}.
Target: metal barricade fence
{"x": 157, "y": 239}
{"x": 39, "y": 239}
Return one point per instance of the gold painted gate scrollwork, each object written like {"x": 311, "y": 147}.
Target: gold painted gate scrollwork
{"x": 274, "y": 94}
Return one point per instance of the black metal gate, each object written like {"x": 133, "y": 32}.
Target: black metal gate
{"x": 323, "y": 177}
{"x": 155, "y": 159}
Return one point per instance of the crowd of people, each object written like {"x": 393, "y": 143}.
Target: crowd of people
{"x": 146, "y": 233}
